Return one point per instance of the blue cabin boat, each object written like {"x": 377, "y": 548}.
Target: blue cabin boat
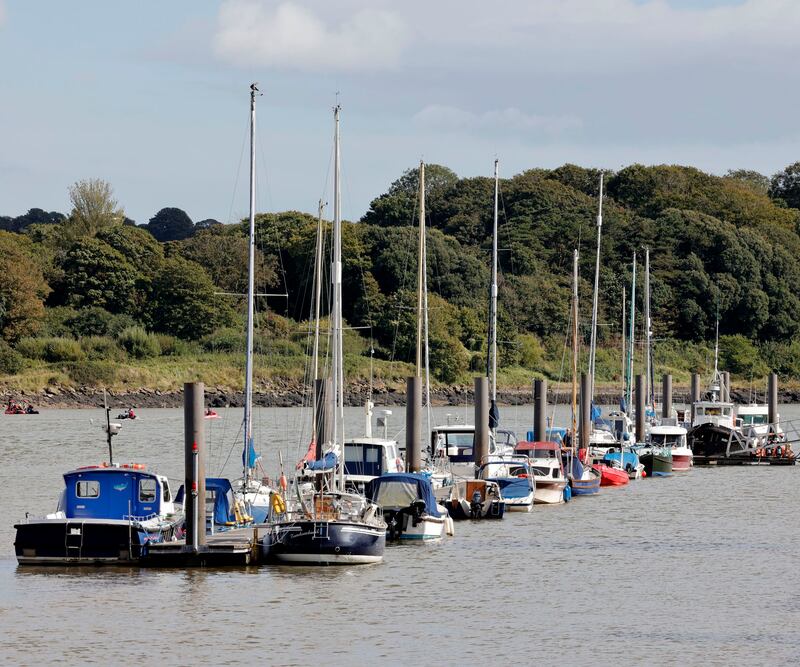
{"x": 106, "y": 514}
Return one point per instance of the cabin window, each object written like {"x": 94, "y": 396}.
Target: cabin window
{"x": 700, "y": 411}
{"x": 726, "y": 412}
{"x": 165, "y": 491}
{"x": 88, "y": 489}
{"x": 372, "y": 454}
{"x": 147, "y": 490}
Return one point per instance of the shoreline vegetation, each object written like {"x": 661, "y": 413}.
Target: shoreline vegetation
{"x": 158, "y": 382}
{"x": 91, "y": 300}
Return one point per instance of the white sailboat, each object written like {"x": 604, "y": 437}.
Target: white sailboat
{"x": 251, "y": 490}
{"x": 329, "y": 525}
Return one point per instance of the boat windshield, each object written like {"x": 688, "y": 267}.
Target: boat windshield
{"x": 664, "y": 439}
{"x": 753, "y": 420}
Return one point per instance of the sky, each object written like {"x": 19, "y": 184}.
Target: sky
{"x": 153, "y": 96}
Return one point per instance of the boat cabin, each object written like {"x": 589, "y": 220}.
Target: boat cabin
{"x": 123, "y": 492}
{"x": 456, "y": 442}
{"x": 667, "y": 436}
{"x": 368, "y": 458}
{"x": 713, "y": 412}
{"x": 544, "y": 457}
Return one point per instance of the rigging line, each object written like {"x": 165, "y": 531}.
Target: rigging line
{"x": 239, "y": 168}
{"x": 398, "y": 292}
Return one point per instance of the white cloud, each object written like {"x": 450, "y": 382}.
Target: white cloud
{"x": 291, "y": 36}
{"x": 442, "y": 117}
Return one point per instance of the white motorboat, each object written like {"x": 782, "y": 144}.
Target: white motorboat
{"x": 546, "y": 465}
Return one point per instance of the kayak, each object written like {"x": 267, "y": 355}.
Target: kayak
{"x": 611, "y": 476}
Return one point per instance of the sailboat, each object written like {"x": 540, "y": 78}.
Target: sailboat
{"x": 511, "y": 472}
{"x": 583, "y": 481}
{"x": 328, "y": 525}
{"x": 407, "y": 499}
{"x": 251, "y": 491}
{"x": 656, "y": 458}
{"x": 455, "y": 441}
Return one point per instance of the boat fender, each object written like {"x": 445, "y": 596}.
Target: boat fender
{"x": 284, "y": 484}
{"x": 278, "y": 504}
{"x": 567, "y": 493}
{"x": 644, "y": 474}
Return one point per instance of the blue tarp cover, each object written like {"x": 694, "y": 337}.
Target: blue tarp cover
{"x": 223, "y": 500}
{"x": 328, "y": 462}
{"x": 513, "y": 487}
{"x": 409, "y": 486}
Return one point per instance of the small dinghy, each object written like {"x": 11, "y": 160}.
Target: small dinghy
{"x": 611, "y": 476}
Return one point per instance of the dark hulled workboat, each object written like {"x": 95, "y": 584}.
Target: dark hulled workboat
{"x": 106, "y": 514}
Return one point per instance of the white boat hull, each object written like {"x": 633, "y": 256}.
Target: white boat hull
{"x": 549, "y": 493}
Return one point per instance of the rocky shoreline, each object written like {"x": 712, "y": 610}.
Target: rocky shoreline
{"x": 290, "y": 394}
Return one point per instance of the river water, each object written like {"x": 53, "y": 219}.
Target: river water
{"x": 693, "y": 569}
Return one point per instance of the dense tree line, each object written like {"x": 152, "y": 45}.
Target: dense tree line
{"x": 721, "y": 247}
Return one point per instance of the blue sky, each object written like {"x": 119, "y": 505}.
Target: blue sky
{"x": 152, "y": 96}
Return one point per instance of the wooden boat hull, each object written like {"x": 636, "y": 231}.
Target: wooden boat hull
{"x": 310, "y": 542}
{"x": 586, "y": 487}
{"x": 709, "y": 441}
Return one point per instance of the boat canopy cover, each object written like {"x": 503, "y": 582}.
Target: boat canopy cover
{"x": 327, "y": 462}
{"x": 397, "y": 490}
{"x": 513, "y": 487}
{"x": 223, "y": 499}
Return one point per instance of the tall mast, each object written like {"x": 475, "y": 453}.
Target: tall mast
{"x": 493, "y": 298}
{"x": 574, "y": 348}
{"x": 336, "y": 278}
{"x": 624, "y": 349}
{"x": 315, "y": 315}
{"x": 647, "y": 332}
{"x": 248, "y": 380}
{"x": 631, "y": 333}
{"x": 423, "y": 348}
{"x": 421, "y": 267}
{"x": 593, "y": 340}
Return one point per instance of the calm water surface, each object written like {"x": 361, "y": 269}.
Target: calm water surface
{"x": 696, "y": 569}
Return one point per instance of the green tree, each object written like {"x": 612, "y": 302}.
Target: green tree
{"x": 785, "y": 185}
{"x": 170, "y": 224}
{"x": 398, "y": 206}
{"x": 183, "y": 302}
{"x": 97, "y": 275}
{"x": 93, "y": 209}
{"x": 224, "y": 253}
{"x": 22, "y": 288}
{"x": 757, "y": 181}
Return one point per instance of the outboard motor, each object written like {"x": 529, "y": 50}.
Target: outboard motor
{"x": 417, "y": 509}
{"x": 395, "y": 527}
{"x": 475, "y": 505}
